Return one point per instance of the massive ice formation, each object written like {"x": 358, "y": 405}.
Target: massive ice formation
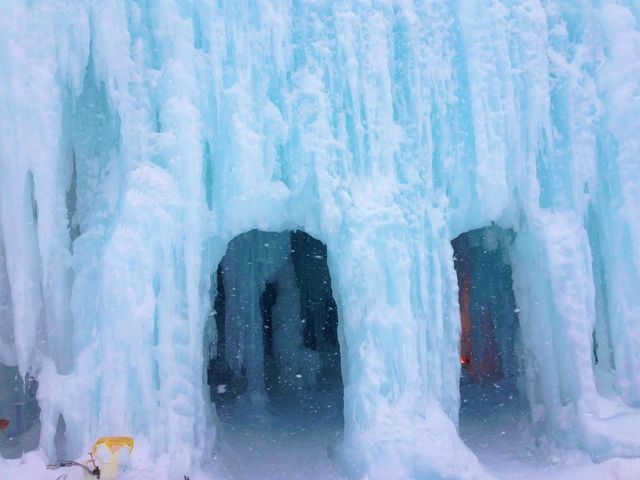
{"x": 138, "y": 138}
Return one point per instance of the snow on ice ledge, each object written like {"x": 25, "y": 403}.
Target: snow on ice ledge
{"x": 139, "y": 138}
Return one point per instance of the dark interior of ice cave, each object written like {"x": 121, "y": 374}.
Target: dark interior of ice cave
{"x": 299, "y": 397}
{"x": 19, "y": 404}
{"x": 492, "y": 402}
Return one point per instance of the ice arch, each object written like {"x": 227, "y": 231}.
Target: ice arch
{"x": 490, "y": 332}
{"x": 275, "y": 318}
{"x": 493, "y": 397}
{"x": 274, "y": 359}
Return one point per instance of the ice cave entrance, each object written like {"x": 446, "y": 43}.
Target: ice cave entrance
{"x": 274, "y": 372}
{"x": 492, "y": 404}
{"x": 19, "y": 411}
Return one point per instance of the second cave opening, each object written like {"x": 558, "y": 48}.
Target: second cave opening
{"x": 492, "y": 404}
{"x": 274, "y": 372}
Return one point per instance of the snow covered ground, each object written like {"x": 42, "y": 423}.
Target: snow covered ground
{"x": 496, "y": 427}
{"x": 296, "y": 438}
{"x": 288, "y": 441}
{"x": 278, "y": 453}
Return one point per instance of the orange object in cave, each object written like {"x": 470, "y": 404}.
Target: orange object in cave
{"x": 480, "y": 363}
{"x": 466, "y": 344}
{"x": 4, "y": 423}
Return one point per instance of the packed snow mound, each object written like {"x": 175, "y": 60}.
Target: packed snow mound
{"x": 138, "y": 139}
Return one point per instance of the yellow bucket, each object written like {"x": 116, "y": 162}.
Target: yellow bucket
{"x": 109, "y": 453}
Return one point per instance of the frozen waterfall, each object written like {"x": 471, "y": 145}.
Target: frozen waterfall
{"x": 405, "y": 224}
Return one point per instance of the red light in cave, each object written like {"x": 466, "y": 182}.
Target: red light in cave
{"x": 466, "y": 345}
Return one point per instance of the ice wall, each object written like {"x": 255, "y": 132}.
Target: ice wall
{"x": 138, "y": 138}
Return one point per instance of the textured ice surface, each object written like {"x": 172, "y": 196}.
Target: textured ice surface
{"x": 137, "y": 138}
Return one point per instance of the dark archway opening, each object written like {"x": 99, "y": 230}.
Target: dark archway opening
{"x": 492, "y": 405}
{"x": 274, "y": 372}
{"x": 19, "y": 411}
